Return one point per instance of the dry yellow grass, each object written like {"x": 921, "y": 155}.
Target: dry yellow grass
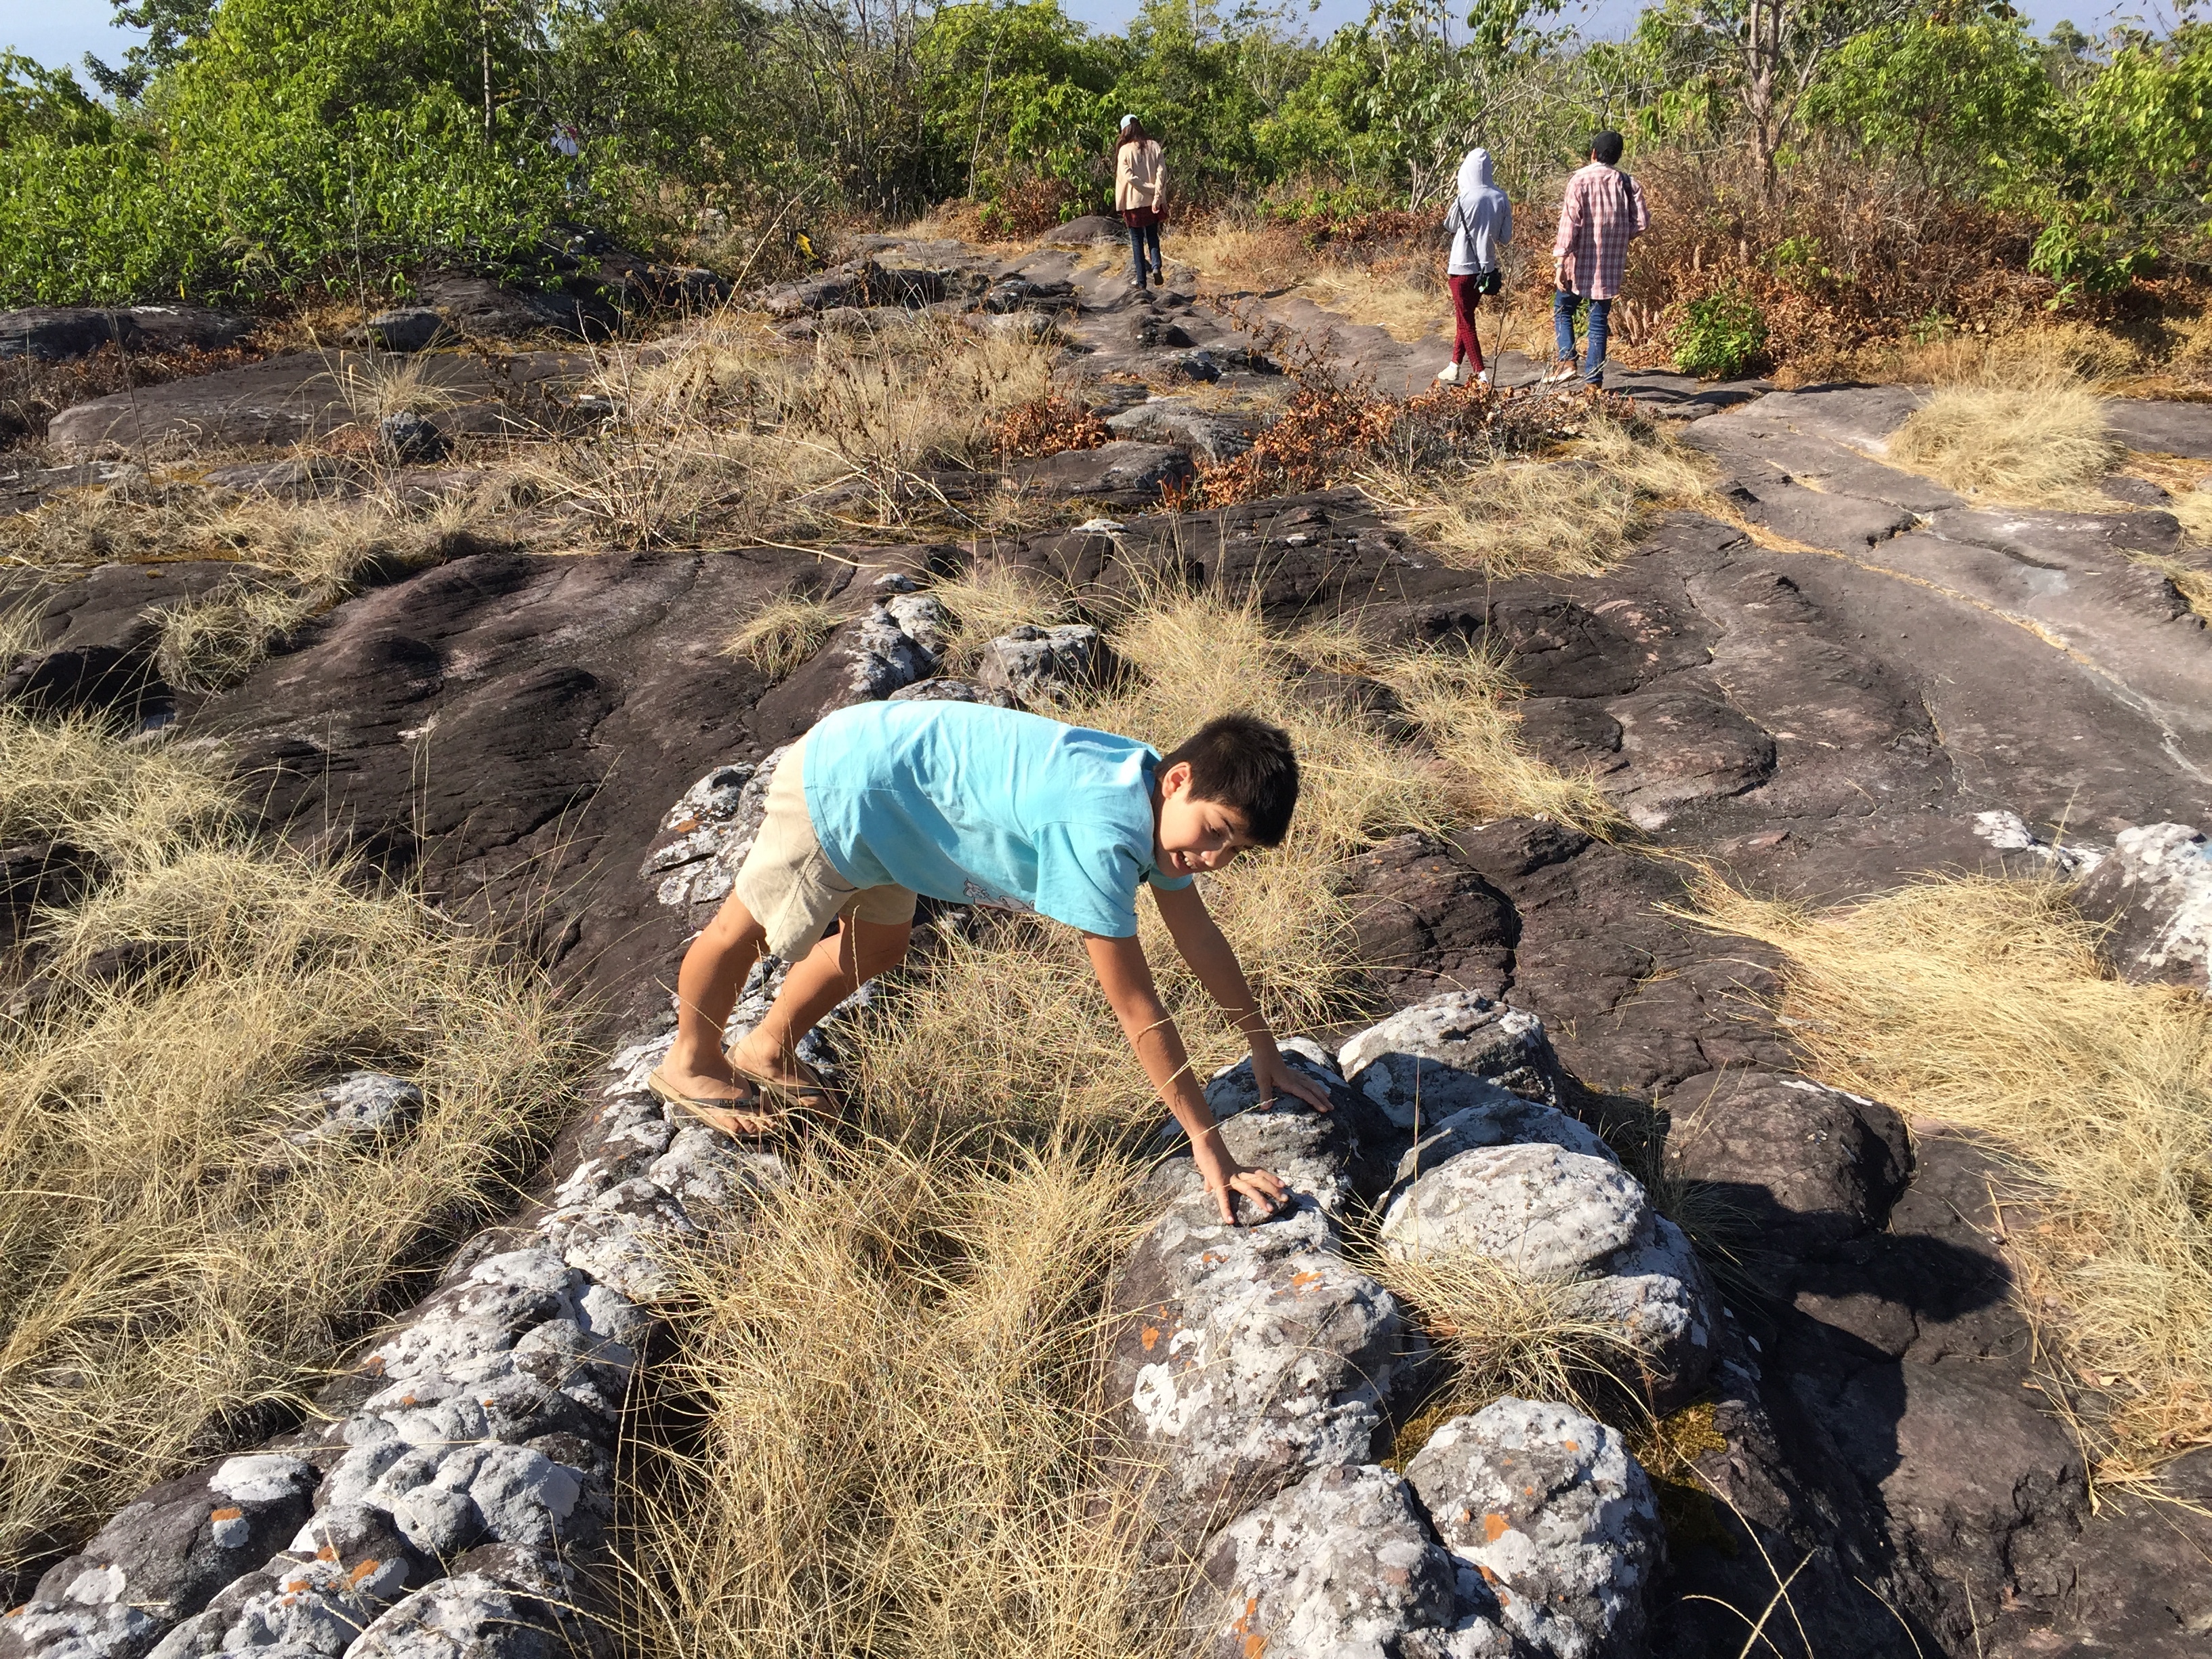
{"x": 1500, "y": 1331}
{"x": 2028, "y": 437}
{"x": 218, "y": 639}
{"x": 897, "y": 1365}
{"x": 1574, "y": 515}
{"x": 1400, "y": 307}
{"x": 1982, "y": 1003}
{"x": 174, "y": 1264}
{"x": 986, "y": 602}
{"x": 733, "y": 431}
{"x": 782, "y": 634}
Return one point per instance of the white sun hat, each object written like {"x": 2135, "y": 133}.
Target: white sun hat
{"x": 1128, "y": 121}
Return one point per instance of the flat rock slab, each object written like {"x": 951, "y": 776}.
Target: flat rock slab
{"x": 2165, "y": 428}
{"x": 1121, "y": 473}
{"x": 54, "y": 333}
{"x": 303, "y": 395}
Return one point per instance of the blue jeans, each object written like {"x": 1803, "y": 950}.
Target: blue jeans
{"x": 1142, "y": 237}
{"x": 1564, "y": 307}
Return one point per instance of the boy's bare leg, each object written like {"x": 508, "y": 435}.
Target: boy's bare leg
{"x": 707, "y": 987}
{"x": 818, "y": 981}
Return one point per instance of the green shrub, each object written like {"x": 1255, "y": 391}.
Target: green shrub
{"x": 1724, "y": 336}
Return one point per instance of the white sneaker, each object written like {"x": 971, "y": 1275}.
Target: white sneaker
{"x": 1559, "y": 372}
{"x": 1447, "y": 375}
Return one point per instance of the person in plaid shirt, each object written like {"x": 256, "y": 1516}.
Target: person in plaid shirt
{"x": 1602, "y": 213}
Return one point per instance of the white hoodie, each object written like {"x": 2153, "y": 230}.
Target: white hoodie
{"x": 1480, "y": 219}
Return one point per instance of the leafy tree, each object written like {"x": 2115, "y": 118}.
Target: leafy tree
{"x": 1968, "y": 107}
{"x": 1777, "y": 50}
{"x": 173, "y": 25}
{"x": 2135, "y": 179}
{"x": 37, "y": 103}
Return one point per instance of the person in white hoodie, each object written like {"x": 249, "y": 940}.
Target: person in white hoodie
{"x": 1480, "y": 223}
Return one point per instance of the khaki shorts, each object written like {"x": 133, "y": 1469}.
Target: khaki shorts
{"x": 789, "y": 883}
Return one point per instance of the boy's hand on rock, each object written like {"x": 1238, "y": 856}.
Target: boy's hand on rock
{"x": 1275, "y": 1078}
{"x": 1225, "y": 1178}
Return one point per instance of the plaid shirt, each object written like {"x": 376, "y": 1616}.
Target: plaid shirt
{"x": 1602, "y": 212}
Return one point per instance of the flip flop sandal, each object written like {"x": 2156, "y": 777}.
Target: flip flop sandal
{"x": 814, "y": 1097}
{"x": 699, "y": 1107}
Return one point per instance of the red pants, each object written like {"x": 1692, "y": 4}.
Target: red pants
{"x": 1464, "y": 299}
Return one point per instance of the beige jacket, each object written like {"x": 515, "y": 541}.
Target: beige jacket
{"x": 1140, "y": 177}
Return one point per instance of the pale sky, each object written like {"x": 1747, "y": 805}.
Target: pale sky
{"x": 62, "y": 31}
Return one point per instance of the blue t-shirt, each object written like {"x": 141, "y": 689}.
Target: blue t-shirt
{"x": 982, "y": 805}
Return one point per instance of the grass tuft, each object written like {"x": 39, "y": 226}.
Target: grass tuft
{"x": 782, "y": 635}
{"x": 896, "y": 1369}
{"x": 1983, "y": 1003}
{"x": 2034, "y": 437}
{"x": 177, "y": 1267}
{"x": 1577, "y": 515}
{"x": 1500, "y": 1331}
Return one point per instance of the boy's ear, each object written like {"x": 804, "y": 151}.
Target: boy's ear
{"x": 1175, "y": 780}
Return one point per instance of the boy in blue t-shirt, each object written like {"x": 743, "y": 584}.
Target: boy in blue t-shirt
{"x": 981, "y": 805}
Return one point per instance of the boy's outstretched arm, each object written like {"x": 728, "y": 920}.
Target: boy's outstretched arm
{"x": 1200, "y": 941}
{"x": 1127, "y": 978}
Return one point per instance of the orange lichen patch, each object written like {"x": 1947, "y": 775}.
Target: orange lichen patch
{"x": 1571, "y": 1445}
{"x": 1488, "y": 1576}
{"x": 295, "y": 1587}
{"x": 1254, "y": 1646}
{"x": 1495, "y": 1527}
{"x": 1149, "y": 1336}
{"x": 1299, "y": 1281}
{"x": 362, "y": 1570}
{"x": 406, "y": 1399}
{"x": 228, "y": 1512}
{"x": 328, "y": 1553}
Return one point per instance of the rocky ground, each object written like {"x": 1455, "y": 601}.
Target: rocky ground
{"x": 1883, "y": 680}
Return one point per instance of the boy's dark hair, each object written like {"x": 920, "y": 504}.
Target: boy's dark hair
{"x": 1245, "y": 763}
{"x": 1605, "y": 146}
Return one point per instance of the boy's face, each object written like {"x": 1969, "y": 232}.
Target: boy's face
{"x": 1191, "y": 834}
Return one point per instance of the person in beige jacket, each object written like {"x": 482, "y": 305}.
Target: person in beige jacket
{"x": 1140, "y": 193}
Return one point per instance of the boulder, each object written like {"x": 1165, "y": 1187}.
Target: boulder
{"x": 1505, "y": 1121}
{"x": 1439, "y": 1057}
{"x": 2155, "y": 890}
{"x": 1123, "y": 473}
{"x": 859, "y": 284}
{"x": 479, "y": 308}
{"x": 923, "y": 618}
{"x": 1012, "y": 293}
{"x": 1247, "y": 1358}
{"x": 1544, "y": 1508}
{"x": 1682, "y": 748}
{"x": 415, "y": 328}
{"x": 1808, "y": 1166}
{"x": 470, "y": 1615}
{"x": 1081, "y": 233}
{"x": 955, "y": 691}
{"x": 1578, "y": 1219}
{"x": 410, "y": 438}
{"x": 1211, "y": 433}
{"x": 361, "y": 1106}
{"x": 1047, "y": 665}
{"x": 1340, "y": 1566}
